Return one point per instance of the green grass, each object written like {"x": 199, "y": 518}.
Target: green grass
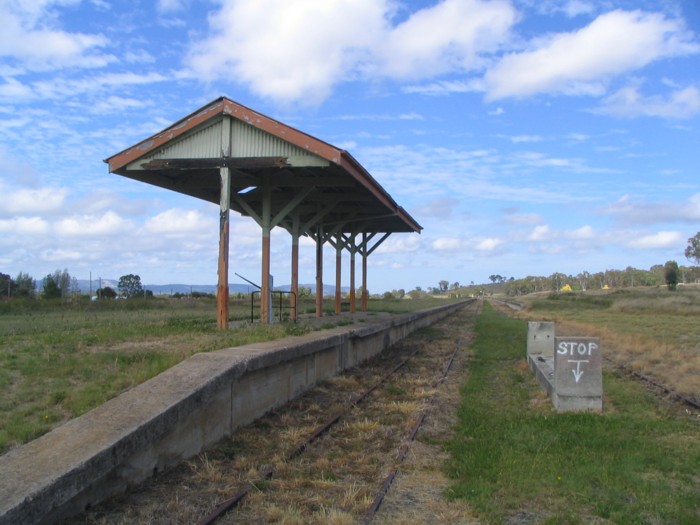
{"x": 58, "y": 360}
{"x": 631, "y": 464}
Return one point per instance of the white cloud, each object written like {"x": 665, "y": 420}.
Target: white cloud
{"x": 24, "y": 201}
{"x": 488, "y": 244}
{"x": 180, "y": 222}
{"x": 28, "y": 36}
{"x": 663, "y": 239}
{"x": 88, "y": 225}
{"x": 519, "y": 139}
{"x": 633, "y": 212}
{"x": 297, "y": 51}
{"x": 24, "y": 226}
{"x": 446, "y": 244}
{"x": 452, "y": 36}
{"x": 400, "y": 244}
{"x": 628, "y": 102}
{"x": 582, "y": 62}
{"x": 541, "y": 233}
{"x": 288, "y": 50}
{"x": 583, "y": 233}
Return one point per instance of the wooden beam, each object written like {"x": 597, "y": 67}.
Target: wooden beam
{"x": 241, "y": 163}
{"x": 338, "y": 268}
{"x": 224, "y": 213}
{"x": 319, "y": 272}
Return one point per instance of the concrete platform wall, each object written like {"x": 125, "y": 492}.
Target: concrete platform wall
{"x": 179, "y": 413}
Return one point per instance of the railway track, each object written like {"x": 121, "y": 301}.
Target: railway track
{"x": 331, "y": 455}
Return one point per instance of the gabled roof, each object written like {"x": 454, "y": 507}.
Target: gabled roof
{"x": 266, "y": 155}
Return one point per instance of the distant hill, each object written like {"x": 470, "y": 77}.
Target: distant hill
{"x": 170, "y": 289}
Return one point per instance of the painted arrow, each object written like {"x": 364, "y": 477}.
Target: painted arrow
{"x": 578, "y": 373}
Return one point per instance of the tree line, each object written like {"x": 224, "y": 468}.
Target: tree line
{"x": 61, "y": 285}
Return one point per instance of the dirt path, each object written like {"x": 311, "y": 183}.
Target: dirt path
{"x": 337, "y": 478}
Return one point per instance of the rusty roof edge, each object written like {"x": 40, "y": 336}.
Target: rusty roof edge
{"x": 226, "y": 106}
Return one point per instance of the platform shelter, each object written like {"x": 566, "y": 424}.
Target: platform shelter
{"x": 242, "y": 160}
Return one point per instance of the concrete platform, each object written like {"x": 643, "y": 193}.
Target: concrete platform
{"x": 179, "y": 413}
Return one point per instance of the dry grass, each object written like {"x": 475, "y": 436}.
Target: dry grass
{"x": 335, "y": 480}
{"x": 655, "y": 332}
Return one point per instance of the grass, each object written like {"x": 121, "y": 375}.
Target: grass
{"x": 515, "y": 457}
{"x": 653, "y": 330}
{"x": 58, "y": 361}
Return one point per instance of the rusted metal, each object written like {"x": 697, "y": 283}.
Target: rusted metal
{"x": 234, "y": 500}
{"x": 665, "y": 389}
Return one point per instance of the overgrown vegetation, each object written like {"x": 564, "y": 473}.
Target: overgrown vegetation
{"x": 655, "y": 331}
{"x": 59, "y": 360}
{"x": 514, "y": 457}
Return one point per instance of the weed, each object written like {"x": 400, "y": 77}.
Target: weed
{"x": 632, "y": 464}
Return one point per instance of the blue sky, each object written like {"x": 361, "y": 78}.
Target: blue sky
{"x": 526, "y": 136}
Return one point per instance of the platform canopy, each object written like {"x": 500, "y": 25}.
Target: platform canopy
{"x": 300, "y": 177}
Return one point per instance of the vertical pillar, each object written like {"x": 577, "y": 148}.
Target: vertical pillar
{"x": 265, "y": 280}
{"x": 338, "y": 269}
{"x": 319, "y": 272}
{"x": 352, "y": 274}
{"x": 294, "y": 296}
{"x": 364, "y": 272}
{"x": 222, "y": 299}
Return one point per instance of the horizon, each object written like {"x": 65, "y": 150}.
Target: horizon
{"x": 527, "y": 138}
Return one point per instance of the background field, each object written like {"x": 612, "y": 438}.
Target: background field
{"x": 653, "y": 330}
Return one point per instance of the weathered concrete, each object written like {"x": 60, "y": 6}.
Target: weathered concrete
{"x": 540, "y": 339}
{"x": 571, "y": 372}
{"x": 578, "y": 374}
{"x": 177, "y": 414}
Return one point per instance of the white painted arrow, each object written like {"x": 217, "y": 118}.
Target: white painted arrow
{"x": 578, "y": 373}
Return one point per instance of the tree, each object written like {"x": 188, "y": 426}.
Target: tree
{"x": 23, "y": 285}
{"x": 671, "y": 274}
{"x": 130, "y": 285}
{"x": 5, "y": 286}
{"x": 443, "y": 286}
{"x": 106, "y": 293}
{"x": 692, "y": 251}
{"x": 59, "y": 284}
{"x": 50, "y": 289}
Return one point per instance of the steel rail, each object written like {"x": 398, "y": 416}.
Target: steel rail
{"x": 405, "y": 447}
{"x": 666, "y": 389}
{"x": 234, "y": 500}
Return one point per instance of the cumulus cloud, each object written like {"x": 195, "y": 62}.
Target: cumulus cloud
{"x": 582, "y": 62}
{"x": 30, "y": 201}
{"x": 662, "y": 239}
{"x": 541, "y": 233}
{"x": 180, "y": 222}
{"x": 583, "y": 233}
{"x": 451, "y": 35}
{"x": 297, "y": 51}
{"x": 89, "y": 225}
{"x": 629, "y": 102}
{"x": 489, "y": 244}
{"x": 24, "y": 226}
{"x": 637, "y": 212}
{"x": 446, "y": 244}
{"x": 29, "y": 37}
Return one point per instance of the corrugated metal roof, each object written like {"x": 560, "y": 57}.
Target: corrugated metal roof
{"x": 264, "y": 152}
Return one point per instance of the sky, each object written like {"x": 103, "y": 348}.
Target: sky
{"x": 527, "y": 137}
